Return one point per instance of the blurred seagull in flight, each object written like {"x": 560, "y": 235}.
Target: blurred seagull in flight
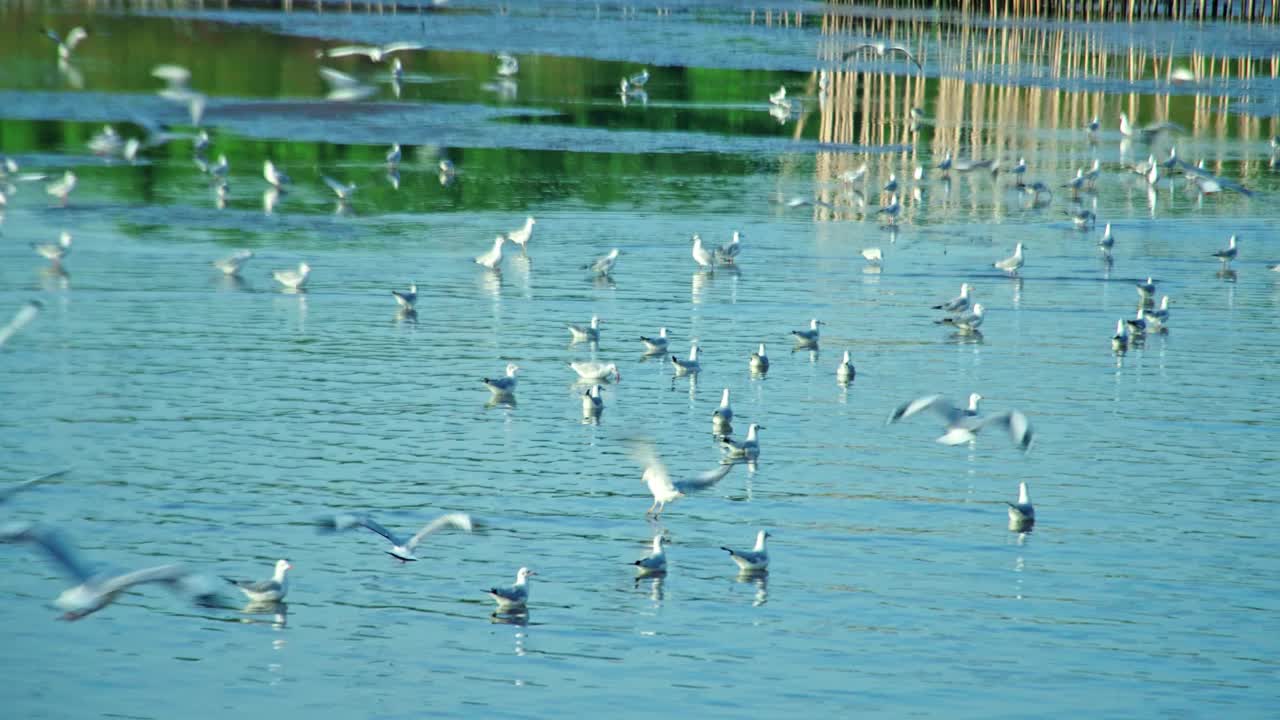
{"x": 402, "y": 548}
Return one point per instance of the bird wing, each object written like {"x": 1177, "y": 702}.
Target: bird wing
{"x": 257, "y": 586}
{"x": 375, "y": 526}
{"x": 75, "y": 36}
{"x": 21, "y": 319}
{"x": 160, "y": 573}
{"x": 401, "y": 46}
{"x": 176, "y": 75}
{"x": 349, "y": 50}
{"x": 704, "y": 480}
{"x": 507, "y": 593}
{"x": 12, "y": 490}
{"x": 53, "y": 35}
{"x": 1016, "y": 423}
{"x": 856, "y": 49}
{"x": 51, "y": 542}
{"x": 937, "y": 403}
{"x": 338, "y": 188}
{"x": 462, "y": 521}
{"x": 644, "y": 452}
{"x": 338, "y": 80}
{"x": 902, "y": 50}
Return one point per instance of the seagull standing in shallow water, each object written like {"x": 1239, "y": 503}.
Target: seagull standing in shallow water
{"x": 273, "y": 175}
{"x": 266, "y": 591}
{"x": 493, "y": 258}
{"x": 700, "y": 254}
{"x": 959, "y": 303}
{"x": 514, "y": 598}
{"x": 1011, "y": 264}
{"x": 754, "y": 560}
{"x": 965, "y": 322}
{"x": 726, "y": 254}
{"x": 401, "y": 547}
{"x": 293, "y": 279}
{"x": 62, "y": 188}
{"x": 520, "y": 236}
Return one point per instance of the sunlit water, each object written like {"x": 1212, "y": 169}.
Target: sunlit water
{"x": 210, "y": 421}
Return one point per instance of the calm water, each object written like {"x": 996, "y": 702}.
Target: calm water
{"x": 210, "y": 421}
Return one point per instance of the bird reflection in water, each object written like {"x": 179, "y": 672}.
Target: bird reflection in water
{"x": 761, "y": 581}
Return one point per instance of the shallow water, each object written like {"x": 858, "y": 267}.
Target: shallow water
{"x": 210, "y": 421}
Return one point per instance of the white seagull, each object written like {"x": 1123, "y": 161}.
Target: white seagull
{"x": 273, "y": 175}
{"x": 1120, "y": 341}
{"x": 808, "y": 338}
{"x": 594, "y": 371}
{"x": 957, "y": 304}
{"x": 722, "y": 417}
{"x": 593, "y": 402}
{"x": 513, "y": 598}
{"x": 692, "y": 366}
{"x": 968, "y": 321}
{"x": 873, "y": 256}
{"x": 493, "y": 258}
{"x": 68, "y": 44}
{"x": 62, "y": 188}
{"x": 759, "y": 362}
{"x": 726, "y": 254}
{"x": 520, "y": 236}
{"x": 961, "y": 427}
{"x": 701, "y": 255}
{"x": 748, "y": 449}
{"x": 754, "y": 560}
{"x": 1011, "y": 264}
{"x": 881, "y": 50}
{"x": 504, "y": 385}
{"x": 655, "y": 345}
{"x": 588, "y": 333}
{"x": 1107, "y": 241}
{"x": 845, "y": 372}
{"x": 1022, "y": 514}
{"x": 655, "y": 563}
{"x": 231, "y": 264}
{"x": 406, "y": 298}
{"x": 663, "y": 488}
{"x": 603, "y": 265}
{"x": 293, "y": 279}
{"x": 343, "y": 191}
{"x": 401, "y": 547}
{"x": 54, "y": 252}
{"x": 1227, "y": 254}
{"x": 266, "y": 591}
{"x": 374, "y": 53}
{"x": 507, "y": 65}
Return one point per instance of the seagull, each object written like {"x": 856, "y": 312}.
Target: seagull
{"x": 808, "y": 338}
{"x": 62, "y": 188}
{"x": 1077, "y": 183}
{"x": 1093, "y": 125}
{"x": 881, "y": 50}
{"x": 655, "y": 345}
{"x": 759, "y": 362}
{"x": 945, "y": 165}
{"x": 1227, "y": 254}
{"x": 1138, "y": 323}
{"x": 1019, "y": 171}
{"x": 590, "y": 333}
{"x": 691, "y": 366}
{"x": 972, "y": 410}
{"x": 1081, "y": 217}
{"x": 726, "y": 254}
{"x": 293, "y": 279}
{"x": 722, "y": 417}
{"x": 700, "y": 254}
{"x": 447, "y": 168}
{"x": 957, "y": 304}
{"x": 221, "y": 169}
{"x": 374, "y": 53}
{"x": 393, "y": 156}
{"x": 873, "y": 256}
{"x": 664, "y": 489}
{"x": 594, "y": 371}
{"x": 655, "y": 563}
{"x": 14, "y": 489}
{"x": 593, "y": 402}
{"x": 603, "y": 265}
{"x": 266, "y": 591}
{"x": 891, "y": 186}
{"x": 845, "y": 372}
{"x": 780, "y": 97}
{"x": 1146, "y": 290}
{"x": 493, "y": 258}
{"x": 514, "y": 598}
{"x": 507, "y": 65}
{"x": 231, "y": 264}
{"x": 1094, "y": 172}
{"x": 67, "y": 45}
{"x": 401, "y": 548}
{"x": 503, "y": 385}
{"x": 277, "y": 178}
{"x": 94, "y": 590}
{"x": 344, "y": 192}
{"x": 961, "y": 427}
{"x": 640, "y": 78}
{"x": 1039, "y": 192}
{"x": 1022, "y": 515}
{"x": 177, "y": 88}
{"x": 1108, "y": 241}
{"x": 106, "y": 142}
{"x": 20, "y": 319}
{"x": 965, "y": 322}
{"x": 748, "y": 449}
{"x": 891, "y": 210}
{"x": 754, "y": 560}
{"x": 1156, "y": 319}
{"x": 852, "y": 177}
{"x": 1120, "y": 341}
{"x": 406, "y": 298}
{"x": 54, "y": 252}
{"x": 521, "y": 235}
{"x": 1011, "y": 264}
{"x": 964, "y": 166}
{"x": 1148, "y": 133}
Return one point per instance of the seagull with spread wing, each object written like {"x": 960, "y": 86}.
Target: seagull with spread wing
{"x": 882, "y": 50}
{"x": 658, "y": 478}
{"x": 401, "y": 547}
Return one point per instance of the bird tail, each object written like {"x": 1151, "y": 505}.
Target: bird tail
{"x": 728, "y": 550}
{"x": 233, "y": 581}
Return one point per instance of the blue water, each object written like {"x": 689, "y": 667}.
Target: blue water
{"x": 210, "y": 421}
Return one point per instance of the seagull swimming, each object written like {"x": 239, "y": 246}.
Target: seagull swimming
{"x": 700, "y": 254}
{"x": 401, "y": 547}
{"x": 655, "y": 345}
{"x": 276, "y": 177}
{"x": 589, "y": 333}
{"x": 845, "y": 372}
{"x": 881, "y": 50}
{"x": 1022, "y": 514}
{"x": 663, "y": 488}
{"x": 293, "y": 279}
{"x": 748, "y": 449}
{"x": 808, "y": 338}
{"x": 722, "y": 417}
{"x": 231, "y": 264}
{"x": 965, "y": 322}
{"x": 594, "y": 371}
{"x": 957, "y": 304}
{"x": 1120, "y": 341}
{"x": 1157, "y": 318}
{"x": 28, "y": 312}
{"x": 603, "y": 265}
{"x": 961, "y": 427}
{"x": 406, "y": 298}
{"x": 1227, "y": 254}
{"x": 520, "y": 236}
{"x": 655, "y": 563}
{"x": 374, "y": 53}
{"x": 1108, "y": 241}
{"x": 593, "y": 402}
{"x": 94, "y": 590}
{"x": 266, "y": 591}
{"x": 54, "y": 252}
{"x": 691, "y": 366}
{"x": 1146, "y": 290}
{"x": 726, "y": 254}
{"x": 759, "y": 362}
{"x": 504, "y": 385}
{"x": 493, "y": 258}
{"x": 1011, "y": 264}
{"x": 514, "y": 598}
{"x": 754, "y": 560}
